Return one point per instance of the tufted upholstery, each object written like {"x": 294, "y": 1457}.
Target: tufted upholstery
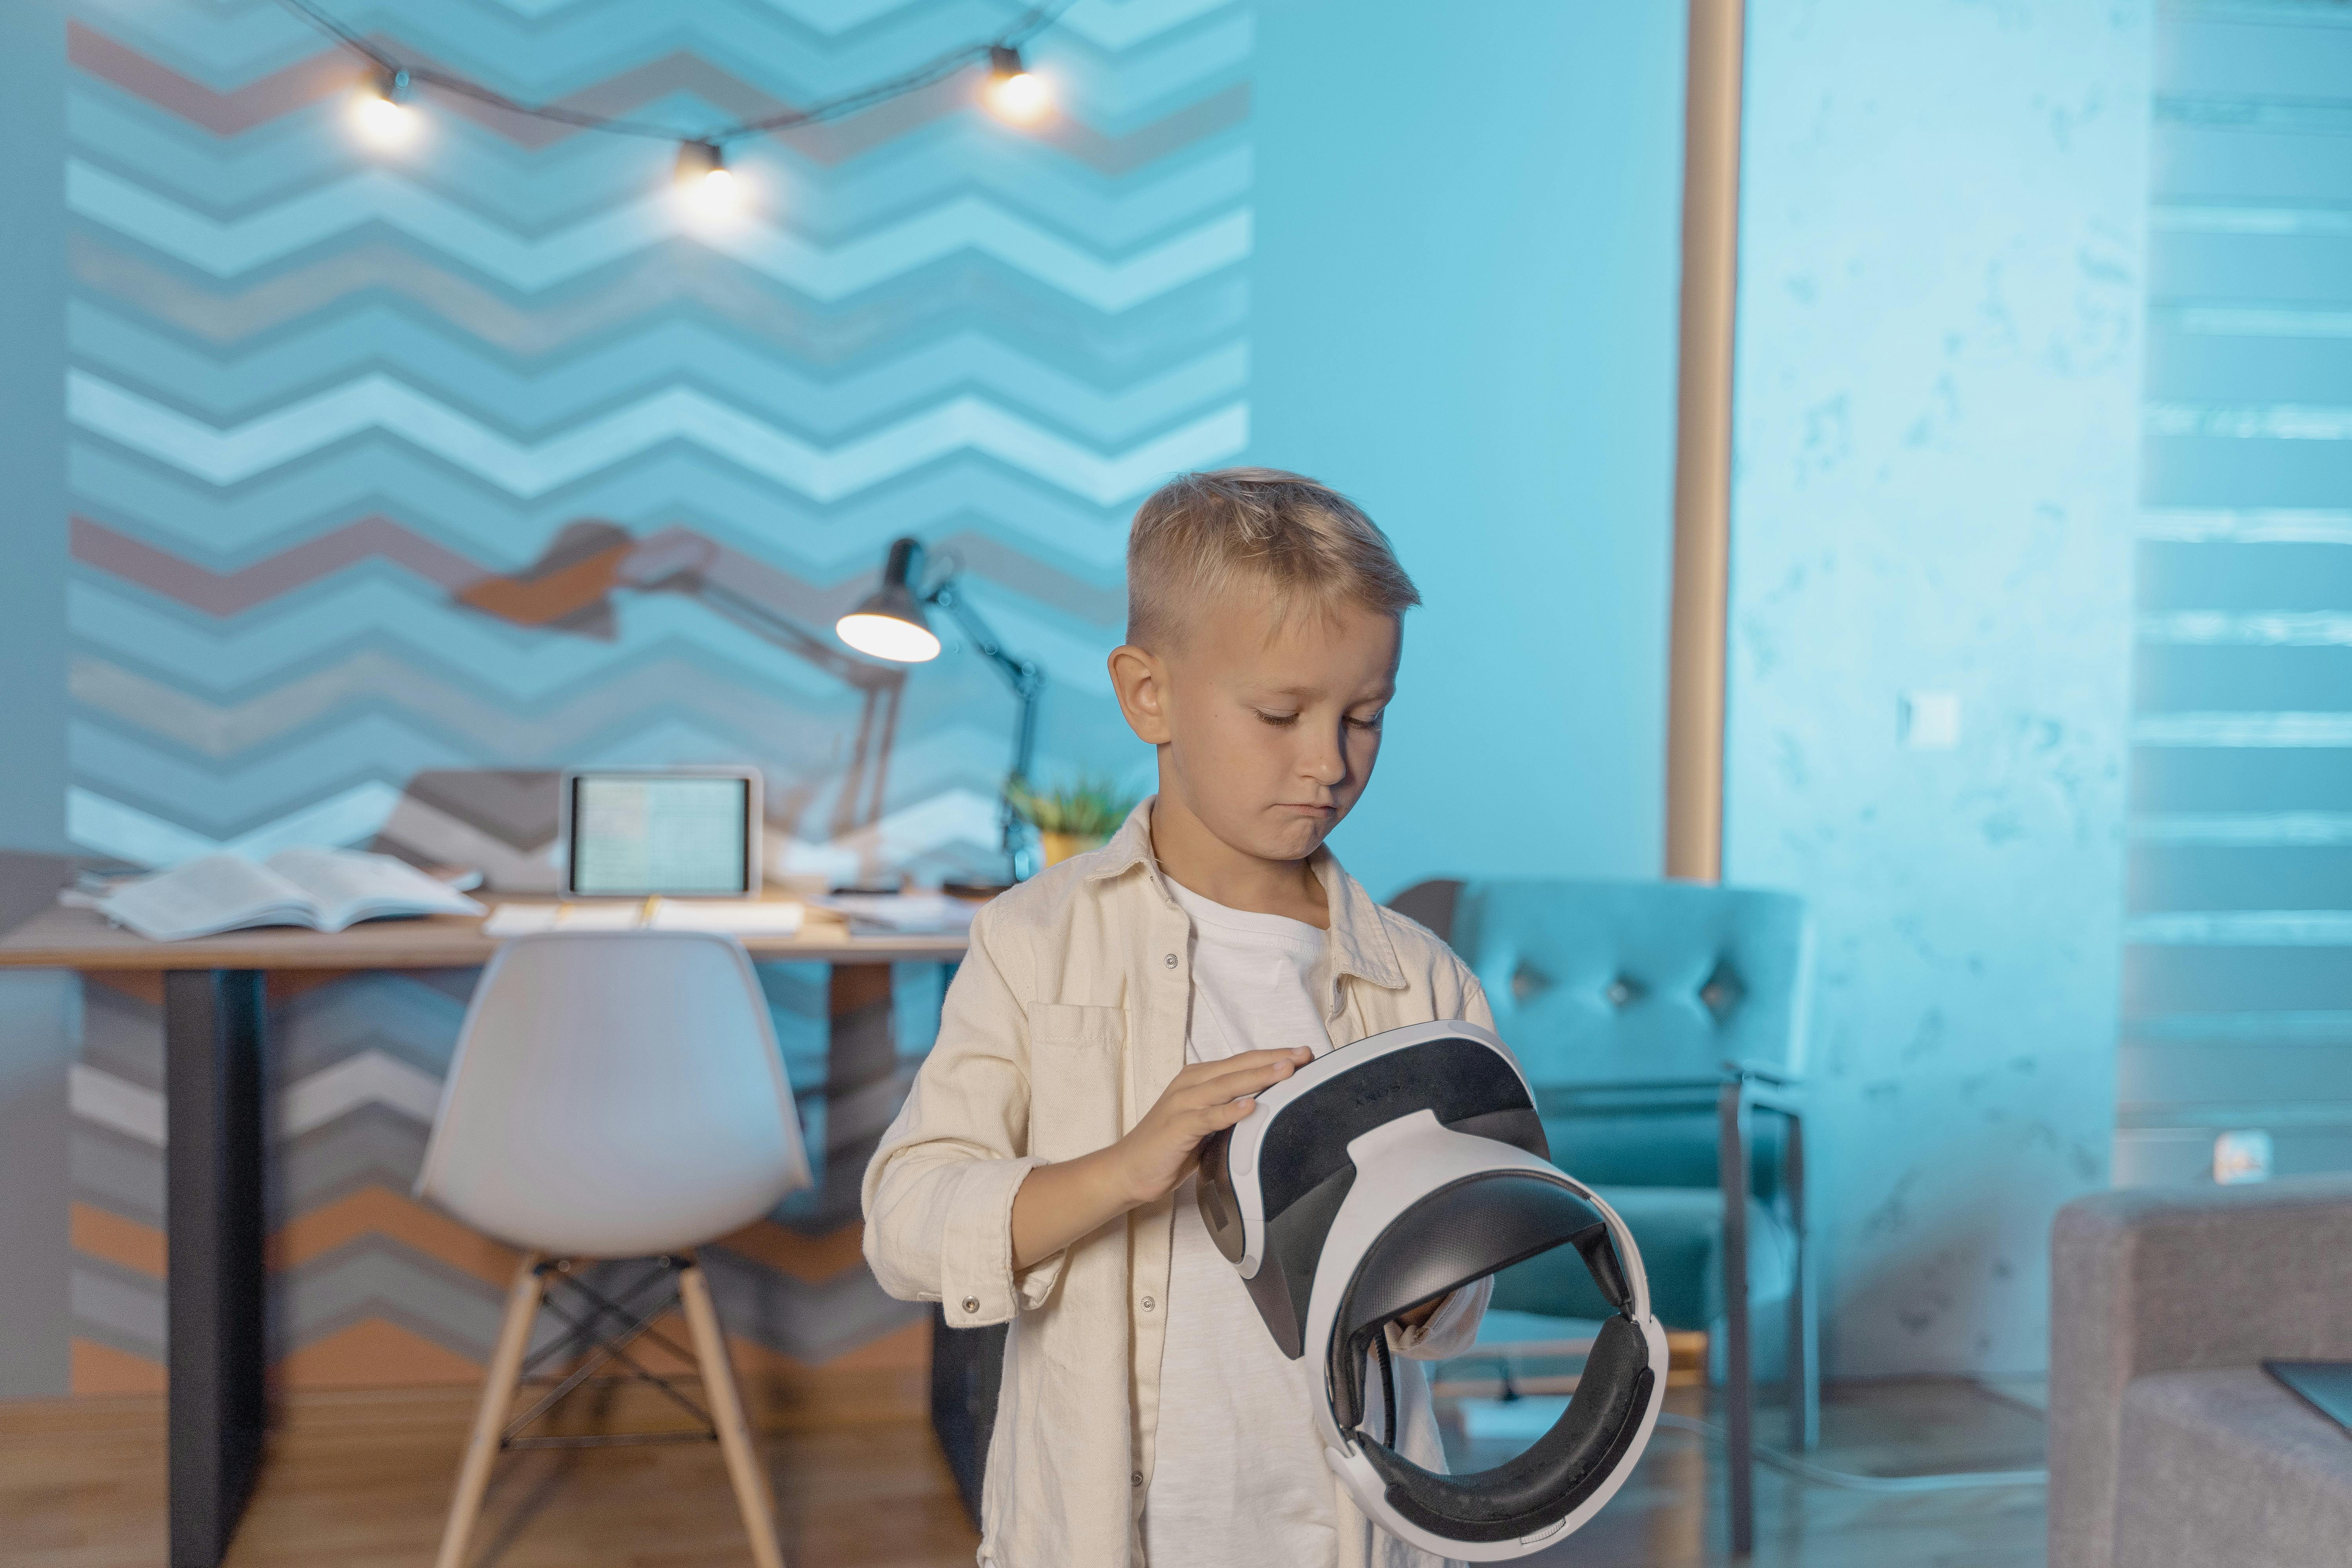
{"x": 1598, "y": 984}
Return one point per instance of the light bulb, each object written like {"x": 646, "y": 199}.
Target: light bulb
{"x": 1016, "y": 92}
{"x": 704, "y": 179}
{"x": 381, "y": 110}
{"x": 888, "y": 636}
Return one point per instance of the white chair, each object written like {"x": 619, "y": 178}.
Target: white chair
{"x": 614, "y": 1095}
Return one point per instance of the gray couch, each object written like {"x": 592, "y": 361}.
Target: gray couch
{"x": 2169, "y": 1447}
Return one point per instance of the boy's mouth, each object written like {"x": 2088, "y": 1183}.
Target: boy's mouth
{"x": 1307, "y": 807}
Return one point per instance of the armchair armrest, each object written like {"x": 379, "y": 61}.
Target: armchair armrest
{"x": 1759, "y": 1086}
{"x": 2172, "y": 1280}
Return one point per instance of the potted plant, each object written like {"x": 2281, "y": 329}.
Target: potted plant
{"x": 1070, "y": 820}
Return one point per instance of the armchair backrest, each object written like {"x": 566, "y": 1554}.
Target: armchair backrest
{"x": 1598, "y": 984}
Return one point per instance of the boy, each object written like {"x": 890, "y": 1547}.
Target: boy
{"x": 1121, "y": 1007}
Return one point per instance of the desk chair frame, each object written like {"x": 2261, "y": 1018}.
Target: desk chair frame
{"x": 496, "y": 1428}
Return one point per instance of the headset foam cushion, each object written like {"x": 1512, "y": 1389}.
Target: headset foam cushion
{"x": 1459, "y": 1233}
{"x": 1560, "y": 1469}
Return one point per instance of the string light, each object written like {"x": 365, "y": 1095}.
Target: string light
{"x": 382, "y": 112}
{"x": 704, "y": 177}
{"x": 384, "y": 115}
{"x": 1015, "y": 92}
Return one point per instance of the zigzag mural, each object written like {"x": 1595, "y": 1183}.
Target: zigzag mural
{"x": 317, "y": 390}
{"x": 363, "y": 445}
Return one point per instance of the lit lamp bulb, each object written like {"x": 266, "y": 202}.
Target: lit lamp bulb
{"x": 382, "y": 112}
{"x": 1015, "y": 92}
{"x": 704, "y": 176}
{"x": 889, "y": 623}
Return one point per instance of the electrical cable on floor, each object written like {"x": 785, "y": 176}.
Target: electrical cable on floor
{"x": 1788, "y": 1464}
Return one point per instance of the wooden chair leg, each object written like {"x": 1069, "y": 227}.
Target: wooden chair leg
{"x": 727, "y": 1414}
{"x": 490, "y": 1415}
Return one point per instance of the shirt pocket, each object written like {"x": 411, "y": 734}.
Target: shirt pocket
{"x": 1075, "y": 1057}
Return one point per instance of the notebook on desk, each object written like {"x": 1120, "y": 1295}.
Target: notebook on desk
{"x": 2324, "y": 1385}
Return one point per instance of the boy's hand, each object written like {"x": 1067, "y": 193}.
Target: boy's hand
{"x": 1205, "y": 1097}
{"x": 1060, "y": 1202}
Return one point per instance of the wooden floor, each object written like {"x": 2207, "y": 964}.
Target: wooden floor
{"x": 360, "y": 1480}
{"x": 1671, "y": 1512}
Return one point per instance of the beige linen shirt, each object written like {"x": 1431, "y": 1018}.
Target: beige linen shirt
{"x": 1063, "y": 1024}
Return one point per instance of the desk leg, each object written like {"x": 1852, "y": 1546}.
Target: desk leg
{"x": 212, "y": 1071}
{"x": 861, "y": 1081}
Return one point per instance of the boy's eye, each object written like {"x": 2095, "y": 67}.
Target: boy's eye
{"x": 1369, "y": 722}
{"x": 1267, "y": 718}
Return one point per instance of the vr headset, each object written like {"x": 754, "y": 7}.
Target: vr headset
{"x": 1382, "y": 1176}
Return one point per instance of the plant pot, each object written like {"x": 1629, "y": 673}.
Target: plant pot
{"x": 1057, "y": 848}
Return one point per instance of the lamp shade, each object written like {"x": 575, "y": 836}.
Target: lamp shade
{"x": 890, "y": 624}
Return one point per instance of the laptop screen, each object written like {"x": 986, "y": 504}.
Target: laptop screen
{"x": 635, "y": 834}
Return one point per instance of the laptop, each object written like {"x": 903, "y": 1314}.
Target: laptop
{"x": 638, "y": 833}
{"x": 2324, "y": 1385}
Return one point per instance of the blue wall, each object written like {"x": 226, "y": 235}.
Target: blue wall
{"x": 32, "y": 426}
{"x": 1465, "y": 290}
{"x": 1937, "y": 401}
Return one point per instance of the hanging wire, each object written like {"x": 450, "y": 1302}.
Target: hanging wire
{"x": 1030, "y": 23}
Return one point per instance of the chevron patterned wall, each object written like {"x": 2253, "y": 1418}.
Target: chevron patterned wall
{"x": 318, "y": 390}
{"x": 365, "y": 445}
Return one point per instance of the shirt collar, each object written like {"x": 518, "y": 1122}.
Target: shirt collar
{"x": 1360, "y": 941}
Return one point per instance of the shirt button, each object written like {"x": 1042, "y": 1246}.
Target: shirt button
{"x": 1148, "y": 1303}
{"x": 1135, "y": 1478}
{"x": 971, "y": 1304}
{"x": 1170, "y": 961}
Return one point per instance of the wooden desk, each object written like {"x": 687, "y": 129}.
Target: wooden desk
{"x": 215, "y": 1148}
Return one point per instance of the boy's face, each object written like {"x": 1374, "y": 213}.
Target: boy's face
{"x": 1268, "y": 728}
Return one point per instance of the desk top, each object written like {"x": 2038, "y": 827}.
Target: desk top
{"x": 61, "y": 937}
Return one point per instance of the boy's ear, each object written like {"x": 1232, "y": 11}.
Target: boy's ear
{"x": 1141, "y": 682}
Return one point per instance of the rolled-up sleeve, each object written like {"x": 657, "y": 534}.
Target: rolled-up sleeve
{"x": 939, "y": 1193}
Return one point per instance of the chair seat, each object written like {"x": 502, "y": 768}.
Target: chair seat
{"x": 1680, "y": 1233}
{"x": 2225, "y": 1465}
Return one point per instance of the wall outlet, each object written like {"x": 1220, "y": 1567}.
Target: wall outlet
{"x": 2242, "y": 1157}
{"x": 1930, "y": 720}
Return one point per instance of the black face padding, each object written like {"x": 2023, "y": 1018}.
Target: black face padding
{"x": 1561, "y": 1469}
{"x": 1464, "y": 1083}
{"x": 1304, "y": 1172}
{"x": 1285, "y": 1281}
{"x": 1459, "y": 1233}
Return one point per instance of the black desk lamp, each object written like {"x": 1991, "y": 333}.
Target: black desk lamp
{"x": 890, "y": 625}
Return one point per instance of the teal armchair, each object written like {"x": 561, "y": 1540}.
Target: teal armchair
{"x": 1662, "y": 1026}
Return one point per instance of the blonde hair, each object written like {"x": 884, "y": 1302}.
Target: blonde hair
{"x": 1200, "y": 535}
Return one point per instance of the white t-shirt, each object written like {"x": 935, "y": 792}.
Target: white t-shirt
{"x": 1238, "y": 1477}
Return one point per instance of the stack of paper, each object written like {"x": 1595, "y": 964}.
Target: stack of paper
{"x": 906, "y": 914}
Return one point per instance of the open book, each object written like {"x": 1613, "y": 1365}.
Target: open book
{"x": 325, "y": 890}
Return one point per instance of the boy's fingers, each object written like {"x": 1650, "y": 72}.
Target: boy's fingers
{"x": 1242, "y": 1080}
{"x": 1245, "y": 1060}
